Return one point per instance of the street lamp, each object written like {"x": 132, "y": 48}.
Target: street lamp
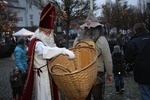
{"x": 91, "y": 4}
{"x": 148, "y": 10}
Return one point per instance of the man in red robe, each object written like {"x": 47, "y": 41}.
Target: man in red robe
{"x": 40, "y": 85}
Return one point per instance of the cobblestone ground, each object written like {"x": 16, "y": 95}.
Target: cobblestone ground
{"x": 5, "y": 69}
{"x": 131, "y": 90}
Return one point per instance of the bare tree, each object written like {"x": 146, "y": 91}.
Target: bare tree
{"x": 71, "y": 11}
{"x": 143, "y": 11}
{"x": 68, "y": 11}
{"x": 8, "y": 18}
{"x": 118, "y": 14}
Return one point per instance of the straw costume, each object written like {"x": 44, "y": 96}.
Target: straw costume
{"x": 42, "y": 47}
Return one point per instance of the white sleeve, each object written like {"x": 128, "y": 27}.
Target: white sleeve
{"x": 47, "y": 52}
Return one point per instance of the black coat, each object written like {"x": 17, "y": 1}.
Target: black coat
{"x": 138, "y": 52}
{"x": 16, "y": 80}
{"x": 118, "y": 60}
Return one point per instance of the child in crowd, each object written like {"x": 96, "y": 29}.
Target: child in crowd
{"x": 16, "y": 83}
{"x": 118, "y": 69}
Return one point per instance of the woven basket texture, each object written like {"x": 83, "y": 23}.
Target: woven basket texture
{"x": 75, "y": 77}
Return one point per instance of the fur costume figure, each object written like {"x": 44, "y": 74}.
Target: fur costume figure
{"x": 93, "y": 30}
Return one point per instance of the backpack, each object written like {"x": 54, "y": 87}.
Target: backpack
{"x": 92, "y": 44}
{"x": 117, "y": 57}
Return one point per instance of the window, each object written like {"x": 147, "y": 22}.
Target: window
{"x": 30, "y": 5}
{"x": 31, "y": 23}
{"x": 20, "y": 19}
{"x": 31, "y": 16}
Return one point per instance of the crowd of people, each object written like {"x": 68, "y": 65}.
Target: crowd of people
{"x": 30, "y": 78}
{"x": 135, "y": 58}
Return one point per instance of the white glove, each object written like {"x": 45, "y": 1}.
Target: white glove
{"x": 69, "y": 53}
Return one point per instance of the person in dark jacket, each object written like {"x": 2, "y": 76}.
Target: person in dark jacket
{"x": 138, "y": 53}
{"x": 16, "y": 83}
{"x": 118, "y": 69}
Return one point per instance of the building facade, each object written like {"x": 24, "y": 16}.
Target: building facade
{"x": 27, "y": 13}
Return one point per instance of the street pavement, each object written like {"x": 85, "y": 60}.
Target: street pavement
{"x": 131, "y": 89}
{"x": 6, "y": 66}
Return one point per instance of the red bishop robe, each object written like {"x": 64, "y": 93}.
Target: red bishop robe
{"x": 27, "y": 93}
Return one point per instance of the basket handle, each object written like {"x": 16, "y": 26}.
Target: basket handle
{"x": 60, "y": 67}
{"x": 78, "y": 44}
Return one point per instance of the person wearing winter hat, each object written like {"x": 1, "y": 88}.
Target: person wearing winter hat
{"x": 118, "y": 69}
{"x": 93, "y": 30}
{"x": 20, "y": 54}
{"x": 117, "y": 48}
{"x": 42, "y": 47}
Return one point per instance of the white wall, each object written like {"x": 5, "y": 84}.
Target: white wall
{"x": 33, "y": 15}
{"x": 28, "y": 15}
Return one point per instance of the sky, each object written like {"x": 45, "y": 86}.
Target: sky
{"x": 134, "y": 2}
{"x": 98, "y": 13}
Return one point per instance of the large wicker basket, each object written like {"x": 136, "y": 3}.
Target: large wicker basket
{"x": 75, "y": 77}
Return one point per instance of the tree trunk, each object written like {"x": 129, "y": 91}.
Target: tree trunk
{"x": 67, "y": 35}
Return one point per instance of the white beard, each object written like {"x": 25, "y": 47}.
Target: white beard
{"x": 47, "y": 40}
